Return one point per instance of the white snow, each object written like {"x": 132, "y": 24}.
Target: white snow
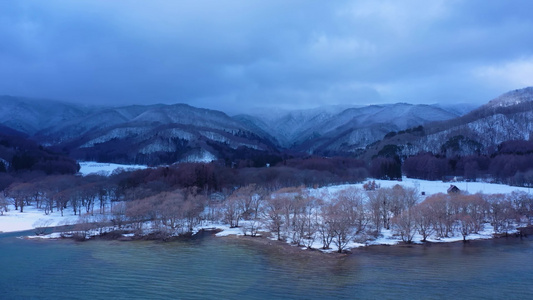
{"x": 201, "y": 156}
{"x": 31, "y": 218}
{"x": 226, "y": 230}
{"x": 91, "y": 167}
{"x": 431, "y": 187}
{"x": 55, "y": 235}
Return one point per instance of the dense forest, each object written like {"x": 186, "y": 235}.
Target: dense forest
{"x": 511, "y": 162}
{"x": 19, "y": 154}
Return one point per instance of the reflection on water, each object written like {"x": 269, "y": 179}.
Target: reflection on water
{"x": 218, "y": 268}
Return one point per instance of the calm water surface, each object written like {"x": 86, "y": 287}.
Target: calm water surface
{"x": 218, "y": 268}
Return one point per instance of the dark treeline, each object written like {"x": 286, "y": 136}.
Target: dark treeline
{"x": 205, "y": 178}
{"x": 510, "y": 163}
{"x": 19, "y": 154}
{"x": 217, "y": 177}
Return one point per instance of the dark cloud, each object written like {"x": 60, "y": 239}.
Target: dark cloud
{"x": 232, "y": 55}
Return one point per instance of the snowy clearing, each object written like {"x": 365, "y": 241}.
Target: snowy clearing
{"x": 105, "y": 169}
{"x": 32, "y": 218}
{"x": 431, "y": 187}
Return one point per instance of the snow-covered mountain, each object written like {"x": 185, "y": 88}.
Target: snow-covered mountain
{"x": 512, "y": 98}
{"x": 147, "y": 134}
{"x": 31, "y": 115}
{"x": 287, "y": 126}
{"x": 153, "y": 134}
{"x": 343, "y": 130}
{"x": 507, "y": 117}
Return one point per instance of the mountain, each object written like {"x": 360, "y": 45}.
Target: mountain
{"x": 155, "y": 134}
{"x": 336, "y": 130}
{"x": 18, "y": 154}
{"x": 31, "y": 115}
{"x": 149, "y": 134}
{"x": 164, "y": 134}
{"x": 505, "y": 118}
{"x": 512, "y": 98}
{"x": 287, "y": 126}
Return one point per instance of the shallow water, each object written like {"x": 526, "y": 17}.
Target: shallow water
{"x": 219, "y": 268}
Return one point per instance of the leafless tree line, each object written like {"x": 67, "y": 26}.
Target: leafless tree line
{"x": 303, "y": 216}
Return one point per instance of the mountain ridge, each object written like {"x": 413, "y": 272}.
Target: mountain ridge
{"x": 163, "y": 133}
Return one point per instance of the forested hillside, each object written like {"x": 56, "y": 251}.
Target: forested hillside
{"x": 493, "y": 141}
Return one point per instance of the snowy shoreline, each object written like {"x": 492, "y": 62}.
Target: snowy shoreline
{"x": 35, "y": 219}
{"x": 263, "y": 240}
{"x": 386, "y": 238}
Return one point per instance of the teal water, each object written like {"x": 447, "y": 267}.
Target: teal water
{"x": 219, "y": 268}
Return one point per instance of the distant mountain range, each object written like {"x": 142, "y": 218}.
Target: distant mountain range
{"x": 505, "y": 118}
{"x": 162, "y": 134}
{"x": 312, "y": 129}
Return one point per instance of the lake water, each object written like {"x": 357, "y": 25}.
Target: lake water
{"x": 221, "y": 268}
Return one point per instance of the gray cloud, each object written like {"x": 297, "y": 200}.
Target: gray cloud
{"x": 233, "y": 55}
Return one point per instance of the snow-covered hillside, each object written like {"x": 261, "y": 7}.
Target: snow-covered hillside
{"x": 341, "y": 129}
{"x": 156, "y": 133}
{"x": 512, "y": 98}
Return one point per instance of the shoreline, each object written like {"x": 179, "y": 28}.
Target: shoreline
{"x": 262, "y": 242}
{"x": 299, "y": 250}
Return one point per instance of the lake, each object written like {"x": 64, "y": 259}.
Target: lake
{"x": 223, "y": 268}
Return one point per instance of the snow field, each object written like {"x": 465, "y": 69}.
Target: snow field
{"x": 32, "y": 218}
{"x": 90, "y": 167}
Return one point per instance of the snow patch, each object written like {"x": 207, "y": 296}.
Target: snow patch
{"x": 32, "y": 218}
{"x": 105, "y": 169}
{"x": 201, "y": 156}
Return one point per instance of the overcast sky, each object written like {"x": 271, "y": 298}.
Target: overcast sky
{"x": 234, "y": 55}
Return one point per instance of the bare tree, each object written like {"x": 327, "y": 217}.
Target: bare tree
{"x": 20, "y": 195}
{"x": 523, "y": 205}
{"x": 374, "y": 205}
{"x": 405, "y": 225}
{"x": 466, "y": 225}
{"x": 252, "y": 226}
{"x": 170, "y": 210}
{"x": 337, "y": 217}
{"x": 423, "y": 217}
{"x": 500, "y": 211}
{"x": 439, "y": 207}
{"x": 118, "y": 215}
{"x": 3, "y": 204}
{"x": 246, "y": 199}
{"x": 273, "y": 214}
{"x": 474, "y": 206}
{"x": 352, "y": 199}
{"x": 88, "y": 194}
{"x": 141, "y": 211}
{"x": 41, "y": 225}
{"x": 232, "y": 211}
{"x": 193, "y": 206}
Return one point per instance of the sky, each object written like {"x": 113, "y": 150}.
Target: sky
{"x": 238, "y": 55}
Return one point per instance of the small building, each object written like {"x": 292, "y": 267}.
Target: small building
{"x": 453, "y": 189}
